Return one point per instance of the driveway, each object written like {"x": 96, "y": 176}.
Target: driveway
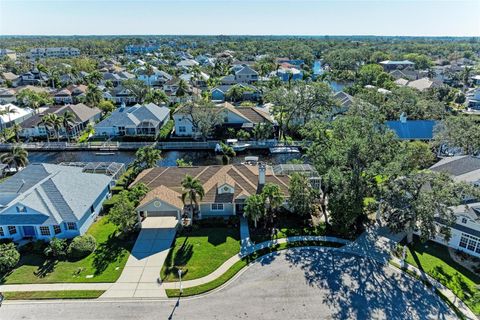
{"x": 140, "y": 277}
{"x": 299, "y": 283}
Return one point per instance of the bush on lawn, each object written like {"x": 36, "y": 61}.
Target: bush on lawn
{"x": 82, "y": 246}
{"x": 57, "y": 248}
{"x": 166, "y": 130}
{"x": 9, "y": 257}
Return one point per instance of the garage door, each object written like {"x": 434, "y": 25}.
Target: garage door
{"x": 162, "y": 214}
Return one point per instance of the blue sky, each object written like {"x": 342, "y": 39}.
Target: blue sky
{"x": 265, "y": 17}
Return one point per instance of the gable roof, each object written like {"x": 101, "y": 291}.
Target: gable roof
{"x": 81, "y": 112}
{"x": 133, "y": 116}
{"x": 164, "y": 194}
{"x": 413, "y": 129}
{"x": 462, "y": 168}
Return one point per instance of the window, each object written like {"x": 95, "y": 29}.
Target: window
{"x": 71, "y": 226}
{"x": 464, "y": 220}
{"x": 469, "y": 242}
{"x": 44, "y": 230}
{"x": 12, "y": 230}
{"x": 57, "y": 229}
{"x": 21, "y": 209}
{"x": 182, "y": 129}
{"x": 92, "y": 209}
{"x": 463, "y": 242}
{"x": 217, "y": 206}
{"x": 2, "y": 234}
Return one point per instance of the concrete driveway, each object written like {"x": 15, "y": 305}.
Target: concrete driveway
{"x": 140, "y": 277}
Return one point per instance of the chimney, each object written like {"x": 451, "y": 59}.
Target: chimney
{"x": 403, "y": 118}
{"x": 262, "y": 169}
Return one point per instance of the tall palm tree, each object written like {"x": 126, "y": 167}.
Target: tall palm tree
{"x": 146, "y": 157}
{"x": 254, "y": 208}
{"x": 149, "y": 72}
{"x": 68, "y": 120}
{"x": 16, "y": 128}
{"x": 7, "y": 111}
{"x": 182, "y": 88}
{"x": 193, "y": 192}
{"x": 274, "y": 198}
{"x": 46, "y": 123}
{"x": 56, "y": 123}
{"x": 16, "y": 158}
{"x": 93, "y": 96}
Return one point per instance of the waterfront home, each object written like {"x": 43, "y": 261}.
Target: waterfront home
{"x": 137, "y": 121}
{"x": 288, "y": 73}
{"x": 53, "y": 52}
{"x": 465, "y": 232}
{"x": 70, "y": 94}
{"x": 43, "y": 201}
{"x": 250, "y": 93}
{"x": 14, "y": 114}
{"x": 412, "y": 129}
{"x": 34, "y": 127}
{"x": 389, "y": 65}
{"x": 226, "y": 188}
{"x": 233, "y": 117}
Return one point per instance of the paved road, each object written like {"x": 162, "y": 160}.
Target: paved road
{"x": 294, "y": 284}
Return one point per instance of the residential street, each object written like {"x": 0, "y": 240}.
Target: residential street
{"x": 296, "y": 283}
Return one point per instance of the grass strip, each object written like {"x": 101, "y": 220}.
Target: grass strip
{"x": 239, "y": 265}
{"x": 43, "y": 295}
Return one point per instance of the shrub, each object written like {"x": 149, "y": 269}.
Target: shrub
{"x": 57, "y": 248}
{"x": 82, "y": 246}
{"x": 9, "y": 257}
{"x": 166, "y": 130}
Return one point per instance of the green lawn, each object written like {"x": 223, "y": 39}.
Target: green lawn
{"x": 435, "y": 260}
{"x": 103, "y": 265}
{"x": 239, "y": 265}
{"x": 287, "y": 226}
{"x": 200, "y": 251}
{"x": 41, "y": 295}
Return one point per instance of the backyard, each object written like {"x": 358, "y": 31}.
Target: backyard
{"x": 105, "y": 264}
{"x": 200, "y": 251}
{"x": 435, "y": 260}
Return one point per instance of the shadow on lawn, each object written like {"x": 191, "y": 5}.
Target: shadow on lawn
{"x": 355, "y": 287}
{"x": 114, "y": 249}
{"x": 177, "y": 260}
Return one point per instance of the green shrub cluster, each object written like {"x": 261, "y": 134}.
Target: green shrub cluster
{"x": 82, "y": 246}
{"x": 9, "y": 257}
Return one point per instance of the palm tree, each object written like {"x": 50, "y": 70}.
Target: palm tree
{"x": 46, "y": 123}
{"x": 16, "y": 128}
{"x": 68, "y": 119}
{"x": 16, "y": 158}
{"x": 193, "y": 192}
{"x": 157, "y": 96}
{"x": 146, "y": 157}
{"x": 93, "y": 96}
{"x": 182, "y": 88}
{"x": 7, "y": 111}
{"x": 274, "y": 198}
{"x": 56, "y": 123}
{"x": 95, "y": 77}
{"x": 149, "y": 72}
{"x": 254, "y": 208}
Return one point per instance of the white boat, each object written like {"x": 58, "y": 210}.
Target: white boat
{"x": 104, "y": 153}
{"x": 251, "y": 160}
{"x": 284, "y": 149}
{"x": 236, "y": 145}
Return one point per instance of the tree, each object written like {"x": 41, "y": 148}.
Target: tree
{"x": 9, "y": 257}
{"x": 146, "y": 157}
{"x": 149, "y": 72}
{"x": 422, "y": 201}
{"x": 235, "y": 93}
{"x": 16, "y": 158}
{"x": 95, "y": 77}
{"x": 138, "y": 88}
{"x": 106, "y": 106}
{"x": 458, "y": 132}
{"x": 55, "y": 122}
{"x": 417, "y": 155}
{"x": 182, "y": 163}
{"x": 301, "y": 195}
{"x": 32, "y": 99}
{"x": 193, "y": 192}
{"x": 68, "y": 120}
{"x": 57, "y": 248}
{"x": 373, "y": 74}
{"x": 157, "y": 97}
{"x": 254, "y": 208}
{"x": 204, "y": 117}
{"x": 262, "y": 130}
{"x": 123, "y": 213}
{"x": 227, "y": 152}
{"x": 421, "y": 61}
{"x": 93, "y": 96}
{"x": 7, "y": 110}
{"x": 16, "y": 128}
{"x": 182, "y": 89}
{"x": 274, "y": 198}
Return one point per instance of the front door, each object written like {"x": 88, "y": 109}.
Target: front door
{"x": 28, "y": 232}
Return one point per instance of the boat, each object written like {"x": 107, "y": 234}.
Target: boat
{"x": 104, "y": 153}
{"x": 251, "y": 160}
{"x": 236, "y": 145}
{"x": 284, "y": 149}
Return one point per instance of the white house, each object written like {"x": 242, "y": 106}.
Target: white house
{"x": 465, "y": 233}
{"x": 53, "y": 52}
{"x": 14, "y": 114}
{"x": 43, "y": 201}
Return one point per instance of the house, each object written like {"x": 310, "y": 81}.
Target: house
{"x": 71, "y": 94}
{"x": 158, "y": 78}
{"x": 475, "y": 79}
{"x": 412, "y": 129}
{"x": 289, "y": 73}
{"x": 345, "y": 101}
{"x": 33, "y": 77}
{"x": 43, "y": 201}
{"x": 233, "y": 117}
{"x": 187, "y": 63}
{"x": 198, "y": 80}
{"x": 226, "y": 188}
{"x": 137, "y": 121}
{"x": 473, "y": 98}
{"x": 423, "y": 84}
{"x": 8, "y": 95}
{"x": 12, "y": 78}
{"x": 146, "y": 48}
{"x": 465, "y": 232}
{"x": 54, "y": 52}
{"x": 16, "y": 115}
{"x": 33, "y": 127}
{"x": 250, "y": 93}
{"x": 8, "y": 53}
{"x": 245, "y": 74}
{"x": 389, "y": 65}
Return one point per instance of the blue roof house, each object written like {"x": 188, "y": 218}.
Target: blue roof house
{"x": 412, "y": 129}
{"x": 46, "y": 200}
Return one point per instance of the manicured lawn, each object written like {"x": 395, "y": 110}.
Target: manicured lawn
{"x": 239, "y": 265}
{"x": 435, "y": 260}
{"x": 103, "y": 265}
{"x": 287, "y": 226}
{"x": 200, "y": 251}
{"x": 41, "y": 295}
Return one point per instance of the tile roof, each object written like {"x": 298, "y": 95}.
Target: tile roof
{"x": 165, "y": 194}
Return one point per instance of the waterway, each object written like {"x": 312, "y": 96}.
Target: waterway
{"x": 168, "y": 157}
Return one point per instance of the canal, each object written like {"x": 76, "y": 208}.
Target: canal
{"x": 168, "y": 157}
